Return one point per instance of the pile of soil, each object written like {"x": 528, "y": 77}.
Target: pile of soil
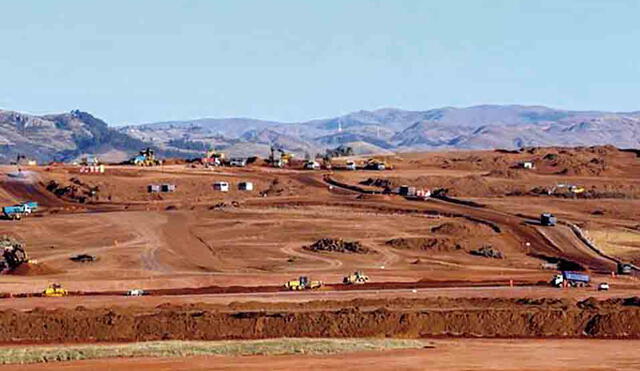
{"x": 506, "y": 174}
{"x": 425, "y": 244}
{"x": 277, "y": 187}
{"x": 462, "y": 229}
{"x": 83, "y": 258}
{"x": 488, "y": 251}
{"x": 378, "y": 182}
{"x": 337, "y": 245}
{"x": 29, "y": 269}
{"x": 617, "y": 318}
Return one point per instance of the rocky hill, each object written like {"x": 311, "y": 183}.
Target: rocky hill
{"x": 67, "y": 136}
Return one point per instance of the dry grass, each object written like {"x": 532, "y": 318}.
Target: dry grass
{"x": 616, "y": 242}
{"x": 42, "y": 354}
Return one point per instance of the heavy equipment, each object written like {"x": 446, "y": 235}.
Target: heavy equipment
{"x": 55, "y": 290}
{"x": 375, "y": 164}
{"x": 570, "y": 279}
{"x": 146, "y": 157}
{"x": 303, "y": 283}
{"x": 356, "y": 278}
{"x": 281, "y": 161}
{"x": 16, "y": 212}
{"x": 212, "y": 158}
{"x": 13, "y": 253}
{"x": 548, "y": 220}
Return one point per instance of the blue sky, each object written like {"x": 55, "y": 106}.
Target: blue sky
{"x": 143, "y": 61}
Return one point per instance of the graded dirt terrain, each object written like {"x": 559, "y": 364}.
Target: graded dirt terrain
{"x": 221, "y": 258}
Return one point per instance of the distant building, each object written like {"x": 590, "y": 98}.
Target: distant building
{"x": 221, "y": 186}
{"x": 528, "y": 165}
{"x": 245, "y": 186}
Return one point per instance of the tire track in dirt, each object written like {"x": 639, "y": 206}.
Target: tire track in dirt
{"x": 333, "y": 263}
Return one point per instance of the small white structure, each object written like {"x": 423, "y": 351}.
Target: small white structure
{"x": 351, "y": 165}
{"x": 528, "y": 165}
{"x": 245, "y": 186}
{"x": 238, "y": 162}
{"x": 221, "y": 186}
{"x": 312, "y": 165}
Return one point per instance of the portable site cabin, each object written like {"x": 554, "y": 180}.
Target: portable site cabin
{"x": 168, "y": 187}
{"x": 245, "y": 186}
{"x": 221, "y": 186}
{"x": 528, "y": 165}
{"x": 153, "y": 188}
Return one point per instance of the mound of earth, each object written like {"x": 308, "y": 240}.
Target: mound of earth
{"x": 378, "y": 182}
{"x": 488, "y": 252}
{"x": 337, "y": 245}
{"x": 506, "y": 173}
{"x": 30, "y": 269}
{"x": 458, "y": 229}
{"x": 425, "y": 244}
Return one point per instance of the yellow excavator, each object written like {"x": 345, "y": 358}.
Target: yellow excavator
{"x": 303, "y": 283}
{"x": 55, "y": 290}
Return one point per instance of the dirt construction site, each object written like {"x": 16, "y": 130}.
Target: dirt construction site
{"x": 453, "y": 246}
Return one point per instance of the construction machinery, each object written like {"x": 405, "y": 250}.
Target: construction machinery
{"x": 13, "y": 253}
{"x": 572, "y": 188}
{"x": 570, "y": 279}
{"x": 213, "y": 158}
{"x": 355, "y": 278}
{"x": 16, "y": 212}
{"x": 282, "y": 160}
{"x": 303, "y": 283}
{"x": 54, "y": 290}
{"x": 375, "y": 164}
{"x": 548, "y": 220}
{"x": 146, "y": 157}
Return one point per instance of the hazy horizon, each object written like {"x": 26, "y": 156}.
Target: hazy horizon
{"x": 291, "y": 61}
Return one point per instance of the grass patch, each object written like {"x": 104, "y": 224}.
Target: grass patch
{"x": 58, "y": 353}
{"x": 616, "y": 242}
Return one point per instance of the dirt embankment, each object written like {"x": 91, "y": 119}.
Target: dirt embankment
{"x": 503, "y": 318}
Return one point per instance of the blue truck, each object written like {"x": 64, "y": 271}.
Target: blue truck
{"x": 570, "y": 279}
{"x": 16, "y": 212}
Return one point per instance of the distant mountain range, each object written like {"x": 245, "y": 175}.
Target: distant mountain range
{"x": 66, "y": 136}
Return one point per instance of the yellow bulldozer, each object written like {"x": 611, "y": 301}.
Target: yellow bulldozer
{"x": 303, "y": 283}
{"x": 55, "y": 290}
{"x": 355, "y": 278}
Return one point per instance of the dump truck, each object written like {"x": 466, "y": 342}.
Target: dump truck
{"x": 624, "y": 268}
{"x": 303, "y": 283}
{"x": 356, "y": 278}
{"x": 570, "y": 279}
{"x": 55, "y": 290}
{"x": 548, "y": 220}
{"x": 13, "y": 212}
